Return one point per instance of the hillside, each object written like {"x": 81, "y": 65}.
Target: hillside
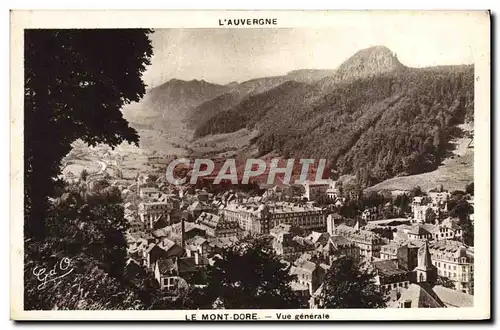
{"x": 175, "y": 98}
{"x": 378, "y": 120}
{"x": 240, "y": 92}
{"x": 453, "y": 174}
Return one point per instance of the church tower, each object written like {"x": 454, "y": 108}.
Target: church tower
{"x": 425, "y": 271}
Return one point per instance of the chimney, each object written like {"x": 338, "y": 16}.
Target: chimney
{"x": 182, "y": 233}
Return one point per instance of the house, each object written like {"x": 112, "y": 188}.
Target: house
{"x": 419, "y": 296}
{"x": 283, "y": 243}
{"x": 389, "y": 251}
{"x": 315, "y": 189}
{"x": 151, "y": 212}
{"x": 202, "y": 195}
{"x": 308, "y": 273}
{"x": 197, "y": 247}
{"x": 370, "y": 214}
{"x": 414, "y": 232}
{"x": 341, "y": 246}
{"x": 168, "y": 274}
{"x": 318, "y": 238}
{"x": 439, "y": 197}
{"x": 368, "y": 242}
{"x": 278, "y": 192}
{"x": 190, "y": 230}
{"x": 455, "y": 261}
{"x": 149, "y": 193}
{"x": 216, "y": 245}
{"x": 420, "y": 293}
{"x": 389, "y": 276}
{"x": 196, "y": 208}
{"x": 163, "y": 250}
{"x": 217, "y": 226}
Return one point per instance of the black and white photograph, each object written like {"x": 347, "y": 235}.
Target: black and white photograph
{"x": 243, "y": 164}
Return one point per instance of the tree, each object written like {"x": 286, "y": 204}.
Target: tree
{"x": 84, "y": 174}
{"x": 430, "y": 216}
{"x": 88, "y": 229}
{"x": 403, "y": 202}
{"x": 416, "y": 191}
{"x": 385, "y": 232}
{"x": 462, "y": 210}
{"x": 74, "y": 90}
{"x": 248, "y": 276}
{"x": 350, "y": 285}
{"x": 469, "y": 188}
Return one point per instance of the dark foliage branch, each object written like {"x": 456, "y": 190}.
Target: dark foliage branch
{"x": 76, "y": 82}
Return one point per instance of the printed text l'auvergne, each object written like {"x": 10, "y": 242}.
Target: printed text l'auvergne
{"x": 247, "y": 21}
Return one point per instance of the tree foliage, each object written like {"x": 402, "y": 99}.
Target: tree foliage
{"x": 248, "y": 276}
{"x": 462, "y": 210}
{"x": 88, "y": 227}
{"x": 384, "y": 125}
{"x": 350, "y": 285}
{"x": 469, "y": 188}
{"x": 430, "y": 216}
{"x": 76, "y": 82}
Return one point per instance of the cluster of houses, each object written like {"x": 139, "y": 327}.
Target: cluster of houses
{"x": 419, "y": 265}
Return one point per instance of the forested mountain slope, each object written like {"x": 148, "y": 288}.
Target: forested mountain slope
{"x": 382, "y": 125}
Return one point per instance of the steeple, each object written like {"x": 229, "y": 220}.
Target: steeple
{"x": 424, "y": 258}
{"x": 356, "y": 226}
{"x": 425, "y": 270}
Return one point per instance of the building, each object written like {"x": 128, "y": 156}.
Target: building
{"x": 217, "y": 226}
{"x": 419, "y": 296}
{"x": 152, "y": 212}
{"x": 171, "y": 273}
{"x": 283, "y": 240}
{"x": 418, "y": 232}
{"x": 421, "y": 204}
{"x": 390, "y": 277}
{"x": 197, "y": 247}
{"x": 149, "y": 193}
{"x": 216, "y": 245}
{"x": 414, "y": 232}
{"x": 389, "y": 251}
{"x": 447, "y": 229}
{"x": 340, "y": 246}
{"x": 259, "y": 219}
{"x": 370, "y": 214}
{"x": 164, "y": 249}
{"x": 439, "y": 197}
{"x": 308, "y": 273}
{"x": 368, "y": 242}
{"x": 316, "y": 189}
{"x": 278, "y": 192}
{"x": 456, "y": 262}
{"x": 196, "y": 208}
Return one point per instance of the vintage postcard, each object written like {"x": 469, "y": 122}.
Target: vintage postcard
{"x": 250, "y": 165}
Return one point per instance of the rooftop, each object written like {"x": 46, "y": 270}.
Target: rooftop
{"x": 454, "y": 298}
{"x": 420, "y": 295}
{"x": 388, "y": 267}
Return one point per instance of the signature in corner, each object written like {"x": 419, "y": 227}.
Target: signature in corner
{"x": 45, "y": 277}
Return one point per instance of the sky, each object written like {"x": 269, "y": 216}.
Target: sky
{"x": 225, "y": 55}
